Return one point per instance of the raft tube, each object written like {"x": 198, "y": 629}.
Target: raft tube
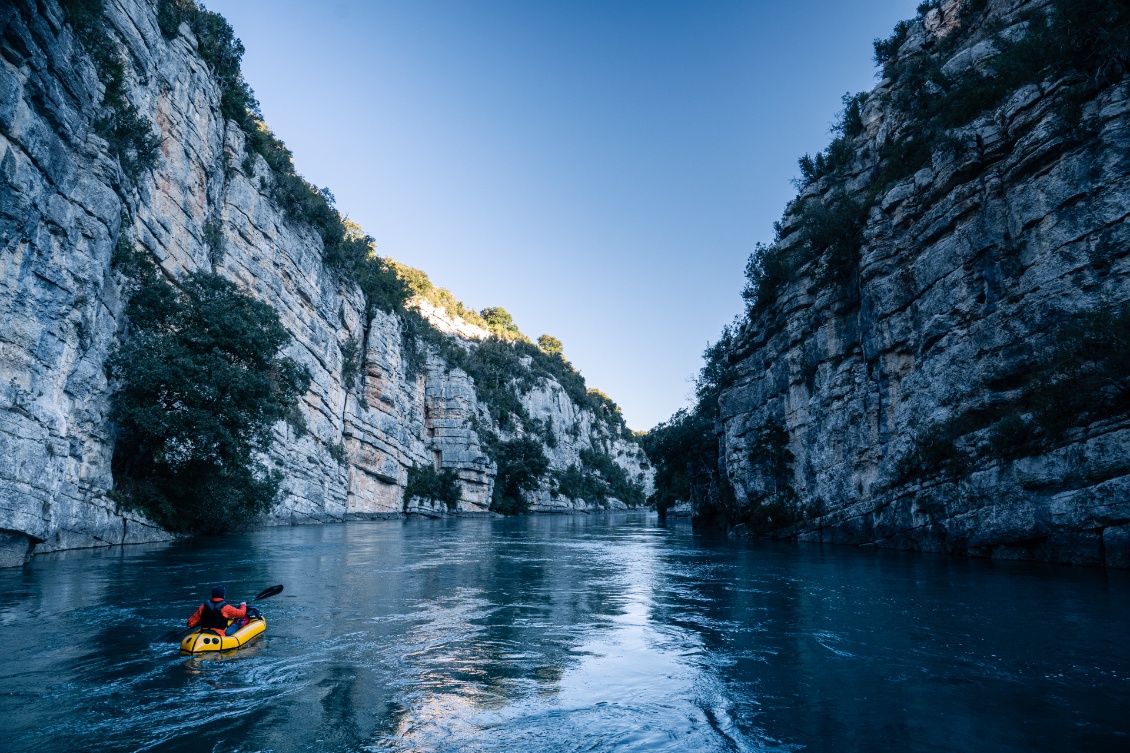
{"x": 200, "y": 641}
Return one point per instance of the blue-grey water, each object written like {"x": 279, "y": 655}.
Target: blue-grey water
{"x": 563, "y": 634}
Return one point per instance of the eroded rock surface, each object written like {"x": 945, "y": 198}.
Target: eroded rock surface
{"x": 63, "y": 201}
{"x": 965, "y": 265}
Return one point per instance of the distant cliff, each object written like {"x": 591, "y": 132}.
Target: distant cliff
{"x": 122, "y": 126}
{"x": 935, "y": 353}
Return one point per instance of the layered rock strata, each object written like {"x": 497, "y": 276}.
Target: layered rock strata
{"x": 964, "y": 267}
{"x": 65, "y": 204}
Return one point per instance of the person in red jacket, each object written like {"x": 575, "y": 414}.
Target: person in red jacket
{"x": 214, "y": 615}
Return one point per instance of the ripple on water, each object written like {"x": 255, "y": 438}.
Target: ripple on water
{"x": 562, "y": 635}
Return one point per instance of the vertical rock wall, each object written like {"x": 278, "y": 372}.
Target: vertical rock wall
{"x": 63, "y": 202}
{"x": 965, "y": 266}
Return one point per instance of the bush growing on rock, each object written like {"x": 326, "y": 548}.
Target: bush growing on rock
{"x": 201, "y": 383}
{"x": 426, "y": 482}
{"x": 129, "y": 134}
{"x": 1085, "y": 42}
{"x": 551, "y": 346}
{"x": 521, "y": 465}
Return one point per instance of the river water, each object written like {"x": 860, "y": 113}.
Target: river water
{"x": 563, "y": 634}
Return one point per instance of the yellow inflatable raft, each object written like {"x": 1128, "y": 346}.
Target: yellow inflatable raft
{"x": 199, "y": 641}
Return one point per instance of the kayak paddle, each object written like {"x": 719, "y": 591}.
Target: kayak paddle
{"x": 175, "y": 636}
{"x": 267, "y": 593}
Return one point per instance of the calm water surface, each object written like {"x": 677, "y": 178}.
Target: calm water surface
{"x": 563, "y": 634}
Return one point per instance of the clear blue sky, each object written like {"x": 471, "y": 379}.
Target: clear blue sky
{"x": 599, "y": 169}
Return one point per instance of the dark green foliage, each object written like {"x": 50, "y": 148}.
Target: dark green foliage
{"x": 684, "y": 452}
{"x": 426, "y": 482}
{"x": 902, "y": 157}
{"x": 935, "y": 451}
{"x": 768, "y": 269}
{"x": 1012, "y": 437}
{"x": 201, "y": 383}
{"x": 1091, "y": 36}
{"x": 1085, "y": 375}
{"x": 220, "y": 49}
{"x": 521, "y": 465}
{"x": 832, "y": 228}
{"x": 841, "y": 153}
{"x": 684, "y": 449}
{"x": 1079, "y": 376}
{"x": 84, "y": 15}
{"x": 547, "y": 433}
{"x": 214, "y": 239}
{"x": 717, "y": 372}
{"x": 494, "y": 365}
{"x": 597, "y": 479}
{"x": 337, "y": 452}
{"x": 610, "y": 479}
{"x": 129, "y": 135}
{"x": 770, "y": 454}
{"x": 829, "y": 229}
{"x": 350, "y": 361}
{"x": 886, "y": 49}
{"x": 771, "y": 462}
{"x": 574, "y": 483}
{"x": 131, "y": 138}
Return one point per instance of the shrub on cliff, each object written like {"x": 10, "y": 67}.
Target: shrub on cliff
{"x": 501, "y": 324}
{"x": 551, "y": 346}
{"x": 614, "y": 481}
{"x": 220, "y": 49}
{"x": 1079, "y": 375}
{"x": 129, "y": 134}
{"x": 521, "y": 465}
{"x": 684, "y": 452}
{"x": 426, "y": 482}
{"x": 201, "y": 383}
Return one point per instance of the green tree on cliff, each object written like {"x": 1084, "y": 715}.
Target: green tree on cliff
{"x": 500, "y": 323}
{"x": 551, "y": 346}
{"x": 201, "y": 384}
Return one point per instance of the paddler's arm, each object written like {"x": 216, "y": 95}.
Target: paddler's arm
{"x": 194, "y": 620}
{"x": 233, "y": 613}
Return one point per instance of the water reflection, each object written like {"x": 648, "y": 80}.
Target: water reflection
{"x": 560, "y": 634}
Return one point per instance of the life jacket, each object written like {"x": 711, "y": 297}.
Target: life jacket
{"x": 213, "y": 615}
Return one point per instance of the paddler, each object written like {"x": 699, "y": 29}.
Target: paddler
{"x": 214, "y": 615}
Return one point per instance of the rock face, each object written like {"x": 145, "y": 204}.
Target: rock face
{"x": 65, "y": 204}
{"x": 964, "y": 267}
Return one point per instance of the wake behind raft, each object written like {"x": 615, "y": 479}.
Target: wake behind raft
{"x": 238, "y": 633}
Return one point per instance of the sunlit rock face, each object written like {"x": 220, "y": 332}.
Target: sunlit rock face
{"x": 964, "y": 266}
{"x": 63, "y": 198}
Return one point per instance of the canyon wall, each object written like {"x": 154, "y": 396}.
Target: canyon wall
{"x": 66, "y": 204}
{"x": 888, "y": 388}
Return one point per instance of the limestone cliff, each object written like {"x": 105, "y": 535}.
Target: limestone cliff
{"x": 68, "y": 199}
{"x": 883, "y": 388}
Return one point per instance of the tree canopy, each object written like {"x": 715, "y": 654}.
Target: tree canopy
{"x": 202, "y": 383}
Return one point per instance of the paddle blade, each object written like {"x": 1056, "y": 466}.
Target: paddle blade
{"x": 269, "y": 592}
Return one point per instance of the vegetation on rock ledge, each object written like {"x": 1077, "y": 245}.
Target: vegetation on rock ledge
{"x": 502, "y": 367}
{"x": 201, "y": 383}
{"x": 1079, "y": 376}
